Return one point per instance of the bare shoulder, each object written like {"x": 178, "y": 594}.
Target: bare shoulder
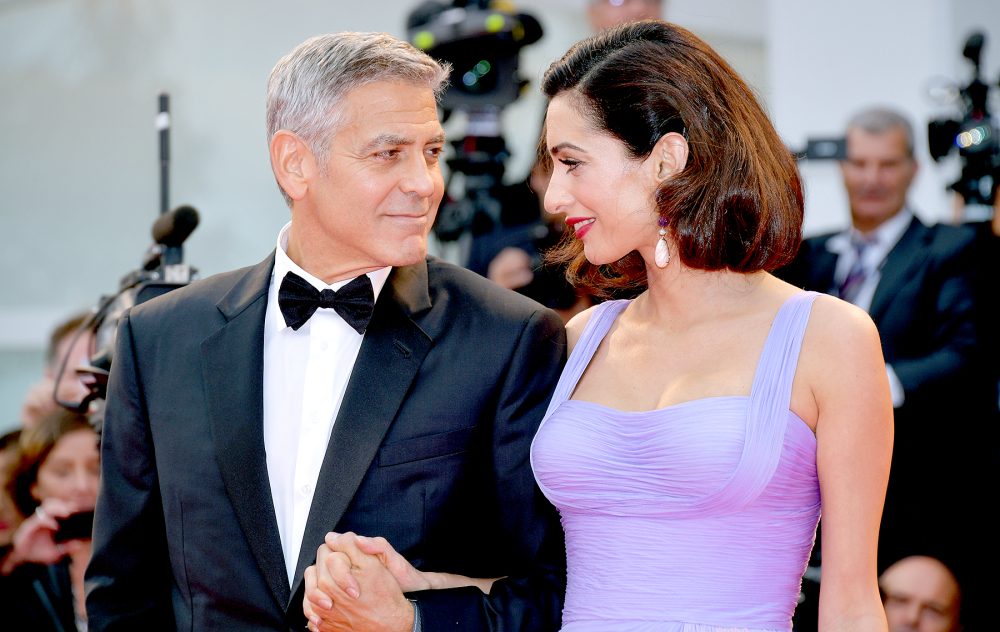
{"x": 841, "y": 352}
{"x": 836, "y": 326}
{"x": 576, "y": 325}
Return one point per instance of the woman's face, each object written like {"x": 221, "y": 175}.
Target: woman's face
{"x": 71, "y": 470}
{"x": 607, "y": 196}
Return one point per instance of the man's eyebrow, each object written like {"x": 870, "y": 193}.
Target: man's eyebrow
{"x": 384, "y": 140}
{"x": 391, "y": 140}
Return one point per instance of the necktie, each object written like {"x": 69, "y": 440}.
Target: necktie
{"x": 298, "y": 301}
{"x": 849, "y": 287}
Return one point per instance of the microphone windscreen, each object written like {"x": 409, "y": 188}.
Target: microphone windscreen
{"x": 173, "y": 227}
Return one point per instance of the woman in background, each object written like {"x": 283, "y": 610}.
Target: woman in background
{"x": 55, "y": 475}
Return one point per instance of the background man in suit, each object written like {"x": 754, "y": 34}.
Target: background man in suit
{"x": 250, "y": 413}
{"x": 916, "y": 282}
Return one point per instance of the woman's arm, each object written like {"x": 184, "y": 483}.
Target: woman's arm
{"x": 846, "y": 372}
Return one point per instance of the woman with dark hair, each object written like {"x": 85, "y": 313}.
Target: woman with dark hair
{"x": 55, "y": 476}
{"x": 697, "y": 427}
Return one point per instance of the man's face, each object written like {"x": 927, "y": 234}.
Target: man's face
{"x": 920, "y": 595}
{"x": 76, "y": 351}
{"x": 877, "y": 173}
{"x": 374, "y": 199}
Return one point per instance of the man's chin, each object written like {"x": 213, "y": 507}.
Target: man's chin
{"x": 408, "y": 253}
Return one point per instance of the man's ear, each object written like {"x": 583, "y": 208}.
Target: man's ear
{"x": 669, "y": 156}
{"x": 293, "y": 163}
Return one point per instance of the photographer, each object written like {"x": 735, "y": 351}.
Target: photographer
{"x": 55, "y": 476}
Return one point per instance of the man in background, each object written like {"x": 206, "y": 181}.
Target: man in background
{"x": 917, "y": 283}
{"x": 920, "y": 594}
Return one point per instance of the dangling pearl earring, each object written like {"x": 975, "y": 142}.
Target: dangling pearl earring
{"x": 662, "y": 255}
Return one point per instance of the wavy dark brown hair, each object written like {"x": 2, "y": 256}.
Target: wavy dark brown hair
{"x": 737, "y": 204}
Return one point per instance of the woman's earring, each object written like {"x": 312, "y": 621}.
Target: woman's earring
{"x": 662, "y": 256}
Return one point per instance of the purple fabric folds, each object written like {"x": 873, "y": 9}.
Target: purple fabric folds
{"x": 697, "y": 517}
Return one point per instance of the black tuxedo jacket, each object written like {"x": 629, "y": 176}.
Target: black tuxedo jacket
{"x": 430, "y": 450}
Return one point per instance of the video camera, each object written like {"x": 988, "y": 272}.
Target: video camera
{"x": 162, "y": 270}
{"x": 481, "y": 40}
{"x": 973, "y": 133}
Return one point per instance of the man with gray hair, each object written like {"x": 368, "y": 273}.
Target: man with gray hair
{"x": 916, "y": 282}
{"x": 347, "y": 383}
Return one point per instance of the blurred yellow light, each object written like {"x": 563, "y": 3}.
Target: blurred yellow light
{"x": 494, "y": 23}
{"x": 423, "y": 40}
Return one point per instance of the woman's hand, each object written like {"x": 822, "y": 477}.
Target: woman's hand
{"x": 34, "y": 541}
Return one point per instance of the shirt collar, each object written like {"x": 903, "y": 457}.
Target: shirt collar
{"x": 283, "y": 265}
{"x": 884, "y": 236}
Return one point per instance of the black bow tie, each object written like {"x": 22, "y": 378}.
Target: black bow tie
{"x": 354, "y": 302}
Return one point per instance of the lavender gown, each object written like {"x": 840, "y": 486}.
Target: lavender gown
{"x": 698, "y": 517}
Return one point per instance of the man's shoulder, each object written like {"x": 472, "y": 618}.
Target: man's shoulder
{"x": 470, "y": 290}
{"x": 204, "y": 295}
{"x": 952, "y": 238}
{"x": 819, "y": 241}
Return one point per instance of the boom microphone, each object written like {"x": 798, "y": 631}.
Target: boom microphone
{"x": 173, "y": 227}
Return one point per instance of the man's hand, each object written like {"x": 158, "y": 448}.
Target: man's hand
{"x": 350, "y": 588}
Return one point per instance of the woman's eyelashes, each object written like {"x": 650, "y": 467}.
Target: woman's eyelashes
{"x": 570, "y": 163}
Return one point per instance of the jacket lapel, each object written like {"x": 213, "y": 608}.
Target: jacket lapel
{"x": 234, "y": 392}
{"x": 908, "y": 253}
{"x": 390, "y": 356}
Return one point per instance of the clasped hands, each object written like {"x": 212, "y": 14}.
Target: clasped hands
{"x": 357, "y": 583}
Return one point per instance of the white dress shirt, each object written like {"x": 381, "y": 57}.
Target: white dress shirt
{"x": 884, "y": 238}
{"x": 305, "y": 377}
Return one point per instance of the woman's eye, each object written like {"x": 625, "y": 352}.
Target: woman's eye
{"x": 570, "y": 163}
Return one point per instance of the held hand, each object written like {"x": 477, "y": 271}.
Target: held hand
{"x": 408, "y": 577}
{"x": 348, "y": 589}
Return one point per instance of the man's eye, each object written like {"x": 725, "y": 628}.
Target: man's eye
{"x": 387, "y": 154}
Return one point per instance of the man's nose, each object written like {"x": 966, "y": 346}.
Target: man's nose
{"x": 420, "y": 177}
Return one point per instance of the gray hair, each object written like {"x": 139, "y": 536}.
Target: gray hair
{"x": 308, "y": 84}
{"x": 878, "y": 120}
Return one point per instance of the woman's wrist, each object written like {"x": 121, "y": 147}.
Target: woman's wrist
{"x": 438, "y": 581}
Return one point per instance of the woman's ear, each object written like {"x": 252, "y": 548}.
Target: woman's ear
{"x": 669, "y": 156}
{"x": 293, "y": 163}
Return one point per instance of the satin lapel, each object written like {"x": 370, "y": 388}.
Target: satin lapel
{"x": 908, "y": 253}
{"x": 390, "y": 356}
{"x": 232, "y": 362}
